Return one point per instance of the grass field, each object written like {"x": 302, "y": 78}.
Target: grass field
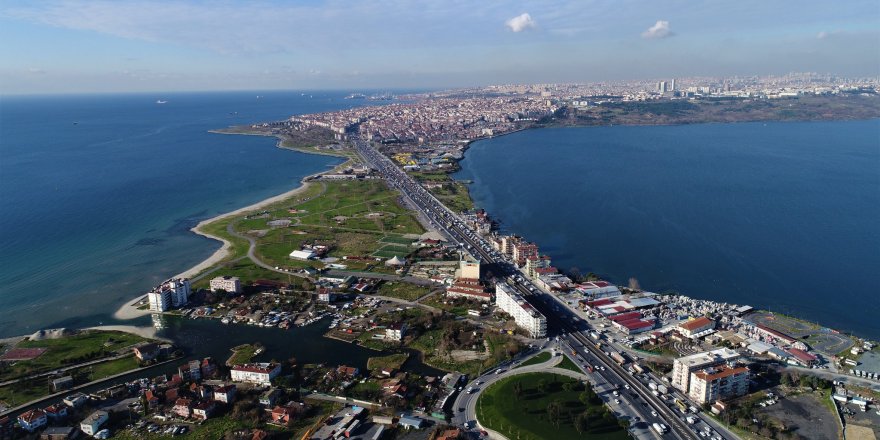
{"x": 242, "y": 354}
{"x": 390, "y": 362}
{"x": 526, "y": 415}
{"x": 568, "y": 364}
{"x": 81, "y": 347}
{"x": 539, "y": 358}
{"x": 401, "y": 290}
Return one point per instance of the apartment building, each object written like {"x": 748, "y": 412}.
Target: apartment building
{"x": 227, "y": 283}
{"x": 684, "y": 366}
{"x": 172, "y": 293}
{"x": 260, "y": 373}
{"x": 525, "y": 316}
{"x": 717, "y": 383}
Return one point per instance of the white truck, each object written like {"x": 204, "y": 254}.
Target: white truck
{"x": 660, "y": 428}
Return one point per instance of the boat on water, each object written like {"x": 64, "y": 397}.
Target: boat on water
{"x": 159, "y": 101}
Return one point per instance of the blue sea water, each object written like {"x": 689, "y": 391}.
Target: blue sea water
{"x": 781, "y": 216}
{"x": 94, "y": 213}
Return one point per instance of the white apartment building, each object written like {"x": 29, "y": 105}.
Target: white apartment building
{"x": 523, "y": 313}
{"x": 170, "y": 294}
{"x": 717, "y": 383}
{"x": 395, "y": 332}
{"x": 92, "y": 424}
{"x": 227, "y": 283}
{"x": 684, "y": 366}
{"x": 261, "y": 373}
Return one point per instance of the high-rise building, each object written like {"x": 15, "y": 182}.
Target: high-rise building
{"x": 526, "y": 316}
{"x": 172, "y": 293}
{"x": 717, "y": 383}
{"x": 684, "y": 366}
{"x": 661, "y": 86}
{"x": 672, "y": 86}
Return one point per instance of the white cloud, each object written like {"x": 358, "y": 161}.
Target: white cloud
{"x": 520, "y": 22}
{"x": 659, "y": 30}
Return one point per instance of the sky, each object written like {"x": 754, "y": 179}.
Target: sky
{"x": 64, "y": 46}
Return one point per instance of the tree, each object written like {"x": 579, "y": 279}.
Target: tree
{"x": 582, "y": 423}
{"x": 554, "y": 412}
{"x": 543, "y": 385}
{"x": 785, "y": 379}
{"x": 517, "y": 389}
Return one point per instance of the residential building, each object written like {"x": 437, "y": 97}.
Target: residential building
{"x": 57, "y": 433}
{"x": 717, "y": 383}
{"x": 469, "y": 269}
{"x": 525, "y": 316}
{"x": 203, "y": 410}
{"x": 172, "y": 293}
{"x": 32, "y": 420}
{"x": 695, "y": 328}
{"x": 182, "y": 407}
{"x": 191, "y": 370}
{"x": 269, "y": 397}
{"x": 227, "y": 283}
{"x": 260, "y": 373}
{"x": 469, "y": 288}
{"x": 395, "y": 332}
{"x": 524, "y": 251}
{"x": 75, "y": 400}
{"x": 56, "y": 412}
{"x": 62, "y": 383}
{"x": 225, "y": 393}
{"x": 684, "y": 366}
{"x": 92, "y": 424}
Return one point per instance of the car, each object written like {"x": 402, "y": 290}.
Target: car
{"x": 654, "y": 413}
{"x": 461, "y": 409}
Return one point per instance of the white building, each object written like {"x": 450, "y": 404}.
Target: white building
{"x": 395, "y": 332}
{"x": 469, "y": 269}
{"x": 302, "y": 255}
{"x": 261, "y": 373}
{"x": 92, "y": 424}
{"x": 696, "y": 327}
{"x": 227, "y": 283}
{"x": 684, "y": 366}
{"x": 170, "y": 294}
{"x": 32, "y": 420}
{"x": 717, "y": 383}
{"x": 523, "y": 313}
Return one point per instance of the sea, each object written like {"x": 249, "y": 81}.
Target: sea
{"x": 779, "y": 216}
{"x": 98, "y": 192}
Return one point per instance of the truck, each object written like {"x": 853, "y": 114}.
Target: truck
{"x": 652, "y": 385}
{"x": 595, "y": 336}
{"x": 662, "y": 389}
{"x": 660, "y": 428}
{"x": 618, "y": 357}
{"x": 691, "y": 419}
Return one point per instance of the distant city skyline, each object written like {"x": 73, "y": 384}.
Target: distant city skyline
{"x": 105, "y": 46}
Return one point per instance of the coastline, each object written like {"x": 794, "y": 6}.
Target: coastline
{"x": 129, "y": 309}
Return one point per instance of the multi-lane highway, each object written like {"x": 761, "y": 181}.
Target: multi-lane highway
{"x": 559, "y": 318}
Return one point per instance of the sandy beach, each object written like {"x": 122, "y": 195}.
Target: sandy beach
{"x": 145, "y": 332}
{"x": 129, "y": 310}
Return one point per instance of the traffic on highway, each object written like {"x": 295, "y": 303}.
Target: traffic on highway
{"x": 632, "y": 394}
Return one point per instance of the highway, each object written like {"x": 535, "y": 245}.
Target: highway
{"x": 559, "y": 318}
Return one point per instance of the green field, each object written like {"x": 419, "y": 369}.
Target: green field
{"x": 401, "y": 290}
{"x": 242, "y": 354}
{"x": 539, "y": 358}
{"x": 569, "y": 364}
{"x": 392, "y": 362}
{"x": 546, "y": 406}
{"x": 69, "y": 350}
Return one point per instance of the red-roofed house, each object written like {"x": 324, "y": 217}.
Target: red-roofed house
{"x": 32, "y": 420}
{"x": 696, "y": 326}
{"x": 183, "y": 407}
{"x": 803, "y": 358}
